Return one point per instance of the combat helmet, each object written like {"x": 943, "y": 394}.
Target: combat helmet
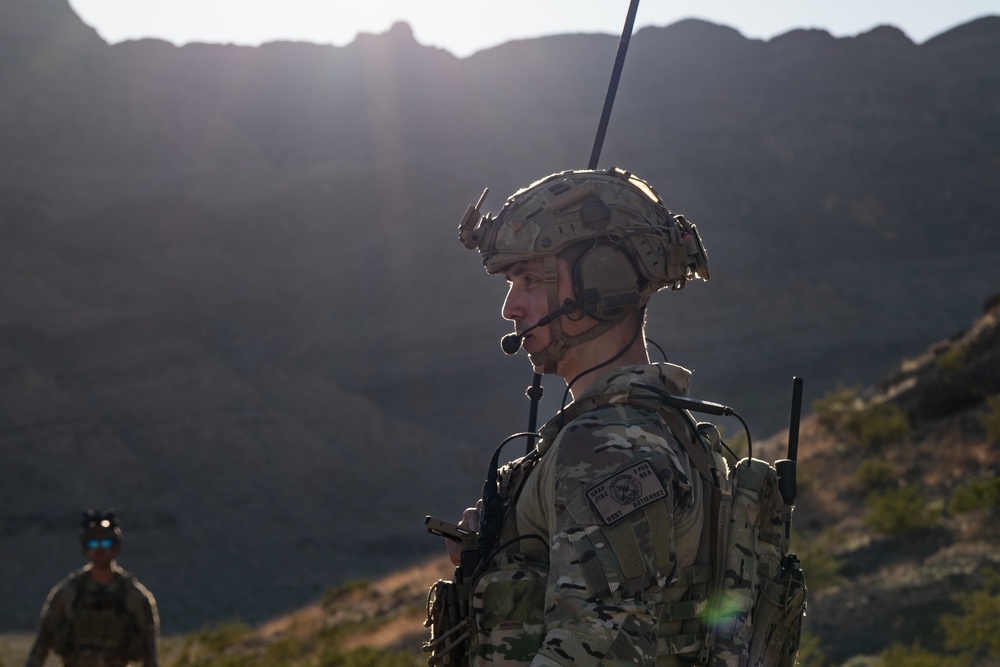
{"x": 610, "y": 225}
{"x": 98, "y": 524}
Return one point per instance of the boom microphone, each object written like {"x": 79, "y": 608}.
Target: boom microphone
{"x": 511, "y": 343}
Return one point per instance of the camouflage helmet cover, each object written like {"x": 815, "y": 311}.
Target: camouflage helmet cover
{"x": 577, "y": 205}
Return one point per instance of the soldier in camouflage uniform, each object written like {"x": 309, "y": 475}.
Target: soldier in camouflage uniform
{"x": 100, "y": 615}
{"x": 605, "y": 518}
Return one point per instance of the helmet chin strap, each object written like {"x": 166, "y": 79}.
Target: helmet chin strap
{"x": 548, "y": 358}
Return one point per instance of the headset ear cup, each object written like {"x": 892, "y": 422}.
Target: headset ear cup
{"x": 606, "y": 282}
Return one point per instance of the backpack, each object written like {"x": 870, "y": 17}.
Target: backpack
{"x": 751, "y": 600}
{"x": 98, "y": 622}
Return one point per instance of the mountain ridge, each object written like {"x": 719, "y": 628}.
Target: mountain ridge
{"x": 232, "y": 304}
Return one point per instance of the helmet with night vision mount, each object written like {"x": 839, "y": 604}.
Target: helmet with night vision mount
{"x": 95, "y": 524}
{"x": 615, "y": 231}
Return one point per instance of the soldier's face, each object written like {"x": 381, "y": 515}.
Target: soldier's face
{"x": 101, "y": 550}
{"x": 527, "y": 301}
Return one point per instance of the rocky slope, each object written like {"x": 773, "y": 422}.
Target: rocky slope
{"x": 885, "y": 470}
{"x": 232, "y": 304}
{"x": 872, "y": 585}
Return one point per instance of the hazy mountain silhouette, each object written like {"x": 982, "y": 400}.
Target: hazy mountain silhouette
{"x": 232, "y": 303}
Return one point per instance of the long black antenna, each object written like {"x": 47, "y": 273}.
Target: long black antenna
{"x": 786, "y": 467}
{"x": 616, "y": 75}
{"x": 534, "y": 392}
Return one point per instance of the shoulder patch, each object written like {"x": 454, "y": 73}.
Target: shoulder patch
{"x": 624, "y": 492}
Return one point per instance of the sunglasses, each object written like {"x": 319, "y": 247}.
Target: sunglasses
{"x": 104, "y": 543}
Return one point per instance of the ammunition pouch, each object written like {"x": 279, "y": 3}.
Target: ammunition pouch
{"x": 779, "y": 610}
{"x": 508, "y": 605}
{"x": 448, "y": 620}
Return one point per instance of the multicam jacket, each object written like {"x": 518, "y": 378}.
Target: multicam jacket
{"x": 92, "y": 625}
{"x": 604, "y": 528}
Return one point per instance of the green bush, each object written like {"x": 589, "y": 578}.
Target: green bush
{"x": 219, "y": 660}
{"x": 821, "y": 568}
{"x": 284, "y": 651}
{"x": 898, "y": 655}
{"x": 334, "y": 593}
{"x": 977, "y": 631}
{"x": 370, "y": 657}
{"x": 223, "y": 635}
{"x": 811, "y": 651}
{"x": 876, "y": 425}
{"x": 835, "y": 406}
{"x": 208, "y": 647}
{"x": 874, "y": 473}
{"x": 899, "y": 511}
{"x": 990, "y": 418}
{"x": 952, "y": 359}
{"x": 973, "y": 636}
{"x": 737, "y": 442}
{"x": 977, "y": 494}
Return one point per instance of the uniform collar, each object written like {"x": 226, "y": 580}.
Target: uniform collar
{"x": 612, "y": 387}
{"x": 673, "y": 378}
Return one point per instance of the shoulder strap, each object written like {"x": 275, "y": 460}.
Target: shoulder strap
{"x": 683, "y": 426}
{"x": 76, "y": 581}
{"x": 511, "y": 486}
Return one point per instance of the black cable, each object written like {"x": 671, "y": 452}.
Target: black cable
{"x": 663, "y": 354}
{"x": 492, "y": 514}
{"x": 569, "y": 385}
{"x": 685, "y": 403}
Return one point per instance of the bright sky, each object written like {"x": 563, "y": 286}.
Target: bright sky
{"x": 466, "y": 26}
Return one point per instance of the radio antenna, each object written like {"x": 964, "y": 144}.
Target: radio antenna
{"x": 616, "y": 75}
{"x": 535, "y": 391}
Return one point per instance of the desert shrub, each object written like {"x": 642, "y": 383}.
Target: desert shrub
{"x": 805, "y": 478}
{"x": 952, "y": 359}
{"x": 821, "y": 567}
{"x": 218, "y": 660}
{"x": 835, "y": 406}
{"x": 973, "y": 636}
{"x": 284, "y": 652}
{"x": 976, "y": 631}
{"x": 990, "y": 418}
{"x": 367, "y": 656}
{"x": 209, "y": 646}
{"x": 874, "y": 473}
{"x": 811, "y": 651}
{"x": 737, "y": 441}
{"x": 876, "y": 425}
{"x": 898, "y": 655}
{"x": 334, "y": 593}
{"x": 899, "y": 511}
{"x": 977, "y": 494}
{"x": 223, "y": 635}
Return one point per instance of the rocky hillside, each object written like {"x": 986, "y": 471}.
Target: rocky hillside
{"x": 898, "y": 511}
{"x": 232, "y": 304}
{"x": 900, "y": 501}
